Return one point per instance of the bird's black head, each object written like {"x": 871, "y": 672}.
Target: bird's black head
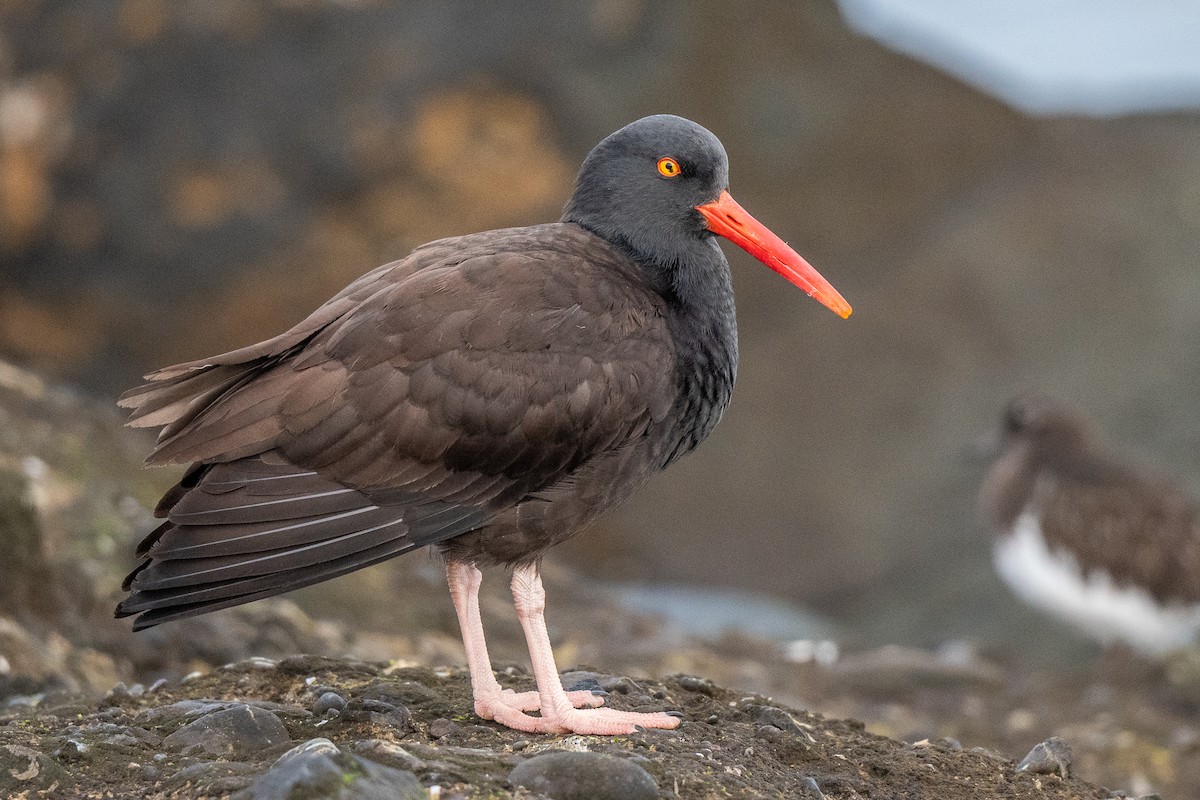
{"x": 639, "y": 188}
{"x": 658, "y": 188}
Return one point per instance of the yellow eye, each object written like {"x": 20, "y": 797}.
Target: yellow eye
{"x": 668, "y": 167}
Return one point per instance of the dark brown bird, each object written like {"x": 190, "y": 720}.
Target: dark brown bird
{"x": 489, "y": 395}
{"x": 1112, "y": 548}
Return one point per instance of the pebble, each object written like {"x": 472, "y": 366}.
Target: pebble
{"x": 378, "y": 712}
{"x": 1048, "y": 757}
{"x": 777, "y": 717}
{"x": 387, "y": 752}
{"x": 443, "y": 727}
{"x": 327, "y": 702}
{"x": 236, "y": 730}
{"x": 691, "y": 683}
{"x": 583, "y": 681}
{"x": 584, "y": 776}
{"x": 317, "y": 768}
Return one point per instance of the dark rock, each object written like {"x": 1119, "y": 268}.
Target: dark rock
{"x": 584, "y": 776}
{"x": 180, "y": 710}
{"x": 236, "y": 730}
{"x": 443, "y": 727}
{"x": 778, "y": 718}
{"x": 583, "y": 681}
{"x": 388, "y": 753}
{"x": 327, "y": 702}
{"x": 620, "y": 685}
{"x": 408, "y": 694}
{"x": 191, "y": 709}
{"x": 70, "y": 752}
{"x": 378, "y": 712}
{"x": 691, "y": 683}
{"x": 1048, "y": 757}
{"x": 317, "y": 768}
{"x": 23, "y": 770}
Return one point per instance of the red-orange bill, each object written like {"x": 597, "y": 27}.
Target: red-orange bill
{"x": 726, "y": 218}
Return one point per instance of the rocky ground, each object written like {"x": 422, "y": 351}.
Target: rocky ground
{"x": 226, "y": 705}
{"x": 308, "y": 726}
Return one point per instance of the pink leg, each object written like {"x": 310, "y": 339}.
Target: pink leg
{"x": 558, "y": 714}
{"x": 491, "y": 701}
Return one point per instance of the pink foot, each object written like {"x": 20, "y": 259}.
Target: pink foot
{"x": 584, "y": 721}
{"x": 529, "y": 701}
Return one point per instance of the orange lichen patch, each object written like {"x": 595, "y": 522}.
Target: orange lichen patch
{"x": 207, "y": 197}
{"x": 61, "y": 336}
{"x": 141, "y": 21}
{"x": 200, "y": 200}
{"x": 24, "y": 192}
{"x": 33, "y": 128}
{"x": 491, "y": 153}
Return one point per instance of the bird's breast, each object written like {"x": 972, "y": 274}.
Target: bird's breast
{"x": 706, "y": 359}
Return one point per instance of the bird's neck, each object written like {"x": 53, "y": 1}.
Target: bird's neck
{"x": 703, "y": 325}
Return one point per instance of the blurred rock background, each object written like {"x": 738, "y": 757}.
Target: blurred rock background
{"x": 181, "y": 177}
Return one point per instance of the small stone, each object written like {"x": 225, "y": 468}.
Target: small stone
{"x": 70, "y": 752}
{"x": 388, "y": 753}
{"x": 251, "y": 664}
{"x": 621, "y": 685}
{"x": 317, "y": 768}
{"x": 769, "y": 715}
{"x": 584, "y": 776}
{"x": 232, "y": 731}
{"x": 377, "y": 712}
{"x": 327, "y": 702}
{"x": 582, "y": 681}
{"x": 118, "y": 694}
{"x": 691, "y": 683}
{"x": 1048, "y": 757}
{"x": 443, "y": 727}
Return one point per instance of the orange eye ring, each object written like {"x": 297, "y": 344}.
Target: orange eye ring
{"x": 669, "y": 167}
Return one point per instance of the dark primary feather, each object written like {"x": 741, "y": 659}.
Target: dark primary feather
{"x": 495, "y": 384}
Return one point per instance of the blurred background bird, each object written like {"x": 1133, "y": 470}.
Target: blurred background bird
{"x": 1084, "y": 535}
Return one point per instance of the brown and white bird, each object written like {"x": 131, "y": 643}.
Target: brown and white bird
{"x": 1109, "y": 547}
{"x": 488, "y": 395}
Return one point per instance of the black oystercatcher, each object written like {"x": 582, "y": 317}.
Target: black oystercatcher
{"x": 489, "y": 394}
{"x": 1108, "y": 547}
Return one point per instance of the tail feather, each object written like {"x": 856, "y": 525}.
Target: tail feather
{"x": 258, "y": 526}
{"x": 155, "y": 607}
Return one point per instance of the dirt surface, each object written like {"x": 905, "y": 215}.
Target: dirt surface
{"x": 730, "y": 744}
